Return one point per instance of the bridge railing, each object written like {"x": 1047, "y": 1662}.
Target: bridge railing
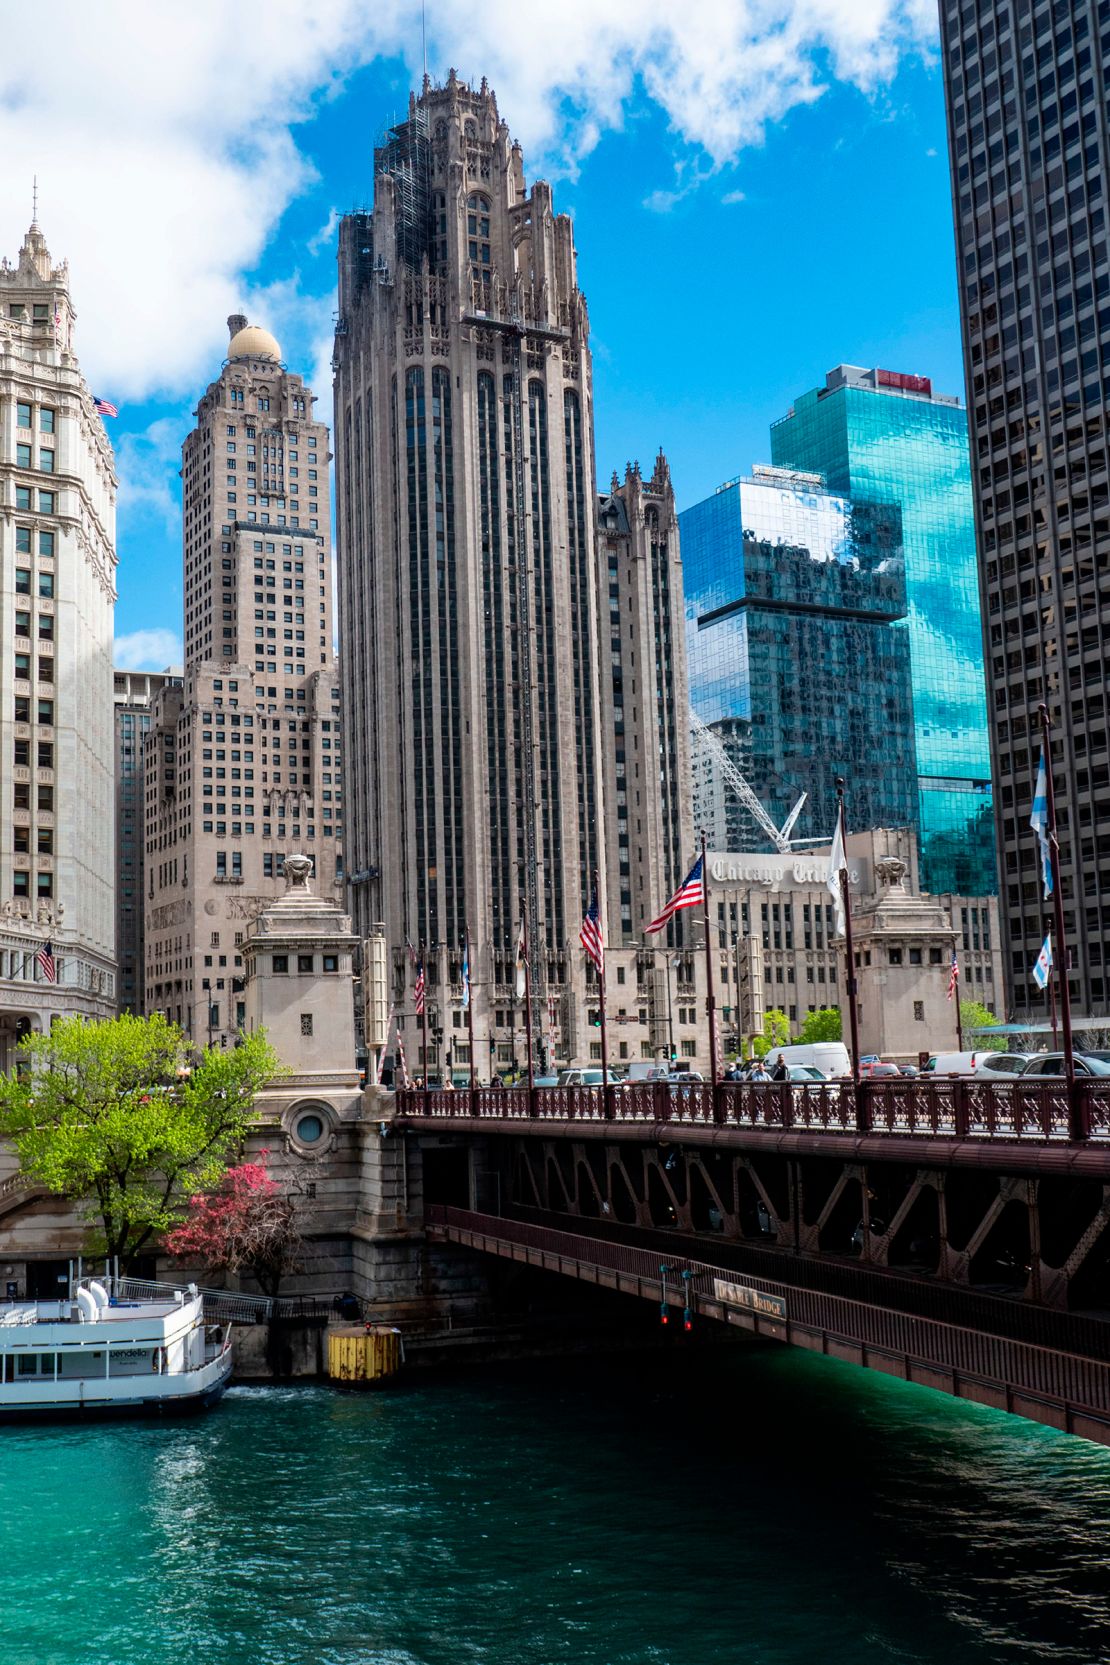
{"x": 941, "y": 1107}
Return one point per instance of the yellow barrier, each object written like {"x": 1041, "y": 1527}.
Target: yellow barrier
{"x": 359, "y": 1354}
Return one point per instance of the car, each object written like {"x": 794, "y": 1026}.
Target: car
{"x": 803, "y": 1072}
{"x": 545, "y": 1081}
{"x": 1052, "y": 1063}
{"x": 872, "y": 1071}
{"x": 679, "y": 1078}
{"x": 908, "y": 1069}
{"x": 1002, "y": 1063}
{"x": 586, "y": 1078}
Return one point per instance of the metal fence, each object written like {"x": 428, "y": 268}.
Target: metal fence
{"x": 228, "y": 1305}
{"x": 955, "y": 1107}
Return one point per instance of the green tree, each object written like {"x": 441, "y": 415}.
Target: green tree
{"x": 822, "y": 1025}
{"x": 108, "y": 1115}
{"x": 974, "y": 1015}
{"x": 776, "y": 1032}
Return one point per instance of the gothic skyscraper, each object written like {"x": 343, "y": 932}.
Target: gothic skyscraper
{"x": 468, "y": 585}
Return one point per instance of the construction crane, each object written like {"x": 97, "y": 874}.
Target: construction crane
{"x": 709, "y": 743}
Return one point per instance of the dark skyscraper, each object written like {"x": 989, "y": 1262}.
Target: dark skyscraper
{"x": 1027, "y": 122}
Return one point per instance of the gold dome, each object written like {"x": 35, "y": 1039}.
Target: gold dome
{"x": 253, "y": 342}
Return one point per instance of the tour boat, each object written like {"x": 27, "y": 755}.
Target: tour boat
{"x": 95, "y": 1354}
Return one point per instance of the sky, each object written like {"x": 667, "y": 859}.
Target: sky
{"x": 759, "y": 190}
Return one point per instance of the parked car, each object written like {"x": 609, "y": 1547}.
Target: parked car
{"x": 1003, "y": 1063}
{"x": 684, "y": 1077}
{"x": 586, "y": 1078}
{"x": 641, "y": 1070}
{"x": 908, "y": 1069}
{"x": 1052, "y": 1063}
{"x": 804, "y": 1072}
{"x": 545, "y": 1081}
{"x": 980, "y": 1062}
{"x": 879, "y": 1068}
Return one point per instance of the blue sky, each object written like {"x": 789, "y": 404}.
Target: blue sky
{"x": 753, "y": 204}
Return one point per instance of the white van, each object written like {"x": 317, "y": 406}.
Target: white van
{"x": 975, "y": 1063}
{"x": 830, "y": 1057}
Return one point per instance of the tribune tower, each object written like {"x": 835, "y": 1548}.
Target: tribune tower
{"x": 468, "y": 582}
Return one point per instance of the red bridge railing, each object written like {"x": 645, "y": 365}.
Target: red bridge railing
{"x": 942, "y": 1108}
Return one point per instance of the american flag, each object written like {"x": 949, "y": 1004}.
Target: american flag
{"x": 590, "y": 936}
{"x": 953, "y": 975}
{"x": 690, "y": 894}
{"x": 418, "y": 992}
{"x": 45, "y": 961}
{"x": 105, "y": 407}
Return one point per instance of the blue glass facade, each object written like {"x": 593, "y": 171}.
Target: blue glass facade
{"x": 882, "y": 437}
{"x": 794, "y": 659}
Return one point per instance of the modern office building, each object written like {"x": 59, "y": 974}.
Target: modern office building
{"x": 242, "y": 758}
{"x": 1028, "y": 140}
{"x": 134, "y": 693}
{"x": 793, "y": 593}
{"x": 57, "y": 580}
{"x": 468, "y": 573}
{"x": 879, "y": 436}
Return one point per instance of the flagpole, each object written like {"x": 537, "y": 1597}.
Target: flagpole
{"x": 605, "y": 1098}
{"x": 1052, "y": 1008}
{"x": 849, "y": 953}
{"x": 959, "y": 1019}
{"x": 1061, "y": 954}
{"x": 710, "y": 997}
{"x": 470, "y": 1015}
{"x": 527, "y": 997}
{"x": 424, "y": 1024}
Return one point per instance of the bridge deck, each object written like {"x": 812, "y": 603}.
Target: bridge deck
{"x": 959, "y": 1118}
{"x": 1050, "y": 1367}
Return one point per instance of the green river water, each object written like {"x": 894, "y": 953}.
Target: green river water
{"x": 754, "y": 1504}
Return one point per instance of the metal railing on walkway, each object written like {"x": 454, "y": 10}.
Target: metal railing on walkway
{"x": 954, "y": 1107}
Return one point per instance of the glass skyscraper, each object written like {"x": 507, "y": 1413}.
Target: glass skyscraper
{"x": 879, "y": 436}
{"x": 792, "y": 598}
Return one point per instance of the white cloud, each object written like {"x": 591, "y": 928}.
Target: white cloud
{"x": 148, "y": 650}
{"x": 320, "y": 240}
{"x": 730, "y": 198}
{"x": 146, "y": 465}
{"x": 165, "y": 138}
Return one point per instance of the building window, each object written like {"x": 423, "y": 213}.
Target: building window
{"x": 306, "y": 1023}
{"x": 919, "y": 1011}
{"x": 280, "y": 963}
{"x": 331, "y": 962}
{"x": 305, "y": 963}
{"x": 896, "y": 956}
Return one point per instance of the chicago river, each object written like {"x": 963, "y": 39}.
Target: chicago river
{"x": 758, "y": 1505}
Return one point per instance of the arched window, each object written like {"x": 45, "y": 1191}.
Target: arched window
{"x": 477, "y": 232}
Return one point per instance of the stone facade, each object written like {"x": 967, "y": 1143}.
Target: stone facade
{"x": 57, "y": 581}
{"x": 242, "y": 761}
{"x": 134, "y": 693}
{"x": 468, "y": 573}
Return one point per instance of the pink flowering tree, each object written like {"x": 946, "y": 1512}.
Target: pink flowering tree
{"x": 245, "y": 1223}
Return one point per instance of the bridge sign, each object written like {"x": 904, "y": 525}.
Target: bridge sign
{"x": 754, "y": 1300}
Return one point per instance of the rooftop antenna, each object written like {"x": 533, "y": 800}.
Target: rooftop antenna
{"x": 424, "y": 38}
{"x": 35, "y": 200}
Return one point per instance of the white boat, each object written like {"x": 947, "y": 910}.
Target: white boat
{"x": 93, "y": 1354}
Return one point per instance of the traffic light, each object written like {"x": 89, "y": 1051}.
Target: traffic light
{"x": 595, "y": 1019}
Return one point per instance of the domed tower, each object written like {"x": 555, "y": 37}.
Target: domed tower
{"x": 242, "y": 762}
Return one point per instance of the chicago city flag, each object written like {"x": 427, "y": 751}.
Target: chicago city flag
{"x": 1043, "y": 963}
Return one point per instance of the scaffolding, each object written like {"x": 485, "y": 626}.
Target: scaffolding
{"x": 405, "y": 155}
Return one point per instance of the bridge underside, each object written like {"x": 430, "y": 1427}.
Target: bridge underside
{"x": 991, "y": 1285}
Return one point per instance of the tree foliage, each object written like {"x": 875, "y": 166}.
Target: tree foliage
{"x": 245, "y": 1223}
{"x": 776, "y": 1032}
{"x": 108, "y": 1115}
{"x": 974, "y": 1015}
{"x": 822, "y": 1025}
